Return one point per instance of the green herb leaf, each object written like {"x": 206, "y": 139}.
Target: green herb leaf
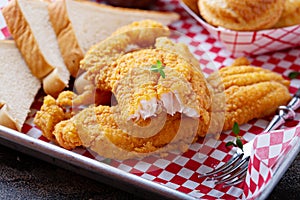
{"x": 158, "y": 67}
{"x": 293, "y": 75}
{"x": 230, "y": 143}
{"x": 236, "y": 128}
{"x": 239, "y": 143}
{"x": 154, "y": 68}
{"x": 162, "y": 73}
{"x": 158, "y": 63}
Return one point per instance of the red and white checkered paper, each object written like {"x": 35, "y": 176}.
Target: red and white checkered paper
{"x": 268, "y": 149}
{"x": 180, "y": 172}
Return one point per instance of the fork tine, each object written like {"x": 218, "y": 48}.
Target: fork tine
{"x": 237, "y": 181}
{"x": 239, "y": 173}
{"x": 233, "y": 169}
{"x": 237, "y": 156}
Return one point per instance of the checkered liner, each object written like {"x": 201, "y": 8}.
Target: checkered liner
{"x": 268, "y": 150}
{"x": 180, "y": 172}
{"x": 252, "y": 43}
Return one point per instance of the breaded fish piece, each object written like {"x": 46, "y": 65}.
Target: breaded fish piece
{"x": 52, "y": 112}
{"x": 99, "y": 60}
{"x": 250, "y": 92}
{"x": 67, "y": 136}
{"x": 198, "y": 81}
{"x": 97, "y": 130}
{"x": 144, "y": 88}
{"x": 142, "y": 93}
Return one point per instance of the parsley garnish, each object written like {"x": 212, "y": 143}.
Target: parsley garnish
{"x": 238, "y": 142}
{"x": 158, "y": 67}
{"x": 293, "y": 75}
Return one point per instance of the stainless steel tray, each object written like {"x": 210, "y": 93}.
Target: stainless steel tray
{"x": 116, "y": 177}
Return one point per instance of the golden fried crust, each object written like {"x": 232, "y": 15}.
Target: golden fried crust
{"x": 249, "y": 75}
{"x": 52, "y": 112}
{"x": 250, "y": 92}
{"x": 98, "y": 130}
{"x": 246, "y": 15}
{"x": 197, "y": 80}
{"x": 65, "y": 98}
{"x": 99, "y": 61}
{"x": 253, "y": 101}
{"x": 240, "y": 61}
{"x": 66, "y": 135}
{"x": 130, "y": 79}
{"x": 290, "y": 15}
{"x": 48, "y": 116}
{"x": 141, "y": 61}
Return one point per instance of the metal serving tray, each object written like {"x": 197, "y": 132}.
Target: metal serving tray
{"x": 177, "y": 177}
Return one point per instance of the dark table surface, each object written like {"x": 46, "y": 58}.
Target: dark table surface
{"x": 26, "y": 177}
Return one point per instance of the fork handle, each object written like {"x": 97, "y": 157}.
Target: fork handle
{"x": 285, "y": 112}
{"x": 295, "y": 101}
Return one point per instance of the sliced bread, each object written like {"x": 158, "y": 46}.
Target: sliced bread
{"x": 83, "y": 24}
{"x": 29, "y": 24}
{"x": 18, "y": 86}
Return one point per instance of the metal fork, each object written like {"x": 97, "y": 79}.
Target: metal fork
{"x": 234, "y": 170}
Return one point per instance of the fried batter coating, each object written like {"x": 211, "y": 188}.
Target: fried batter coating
{"x": 65, "y": 99}
{"x": 197, "y": 80}
{"x": 135, "y": 86}
{"x": 66, "y": 135}
{"x": 140, "y": 93}
{"x": 52, "y": 112}
{"x": 99, "y": 60}
{"x": 98, "y": 130}
{"x": 240, "y": 61}
{"x": 254, "y": 101}
{"x": 143, "y": 33}
{"x": 250, "y": 92}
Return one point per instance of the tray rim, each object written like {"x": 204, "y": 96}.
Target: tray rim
{"x": 56, "y": 152}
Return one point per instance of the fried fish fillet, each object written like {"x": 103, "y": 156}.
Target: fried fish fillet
{"x": 143, "y": 92}
{"x": 96, "y": 129}
{"x": 250, "y": 92}
{"x": 247, "y": 89}
{"x": 100, "y": 59}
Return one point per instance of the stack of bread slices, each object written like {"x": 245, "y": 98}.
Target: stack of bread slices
{"x": 49, "y": 40}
